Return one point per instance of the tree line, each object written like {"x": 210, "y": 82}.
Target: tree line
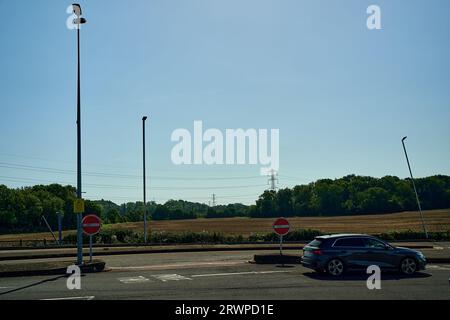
{"x": 21, "y": 209}
{"x": 353, "y": 195}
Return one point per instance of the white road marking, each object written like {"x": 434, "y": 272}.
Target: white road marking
{"x": 4, "y": 287}
{"x": 181, "y": 265}
{"x": 170, "y": 277}
{"x": 129, "y": 280}
{"x": 71, "y": 298}
{"x": 438, "y": 267}
{"x": 236, "y": 273}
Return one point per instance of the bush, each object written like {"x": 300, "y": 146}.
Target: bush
{"x": 414, "y": 235}
{"x": 127, "y": 236}
{"x": 193, "y": 237}
{"x": 302, "y": 234}
{"x": 70, "y": 239}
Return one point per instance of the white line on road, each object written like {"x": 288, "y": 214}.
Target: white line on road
{"x": 438, "y": 267}
{"x": 138, "y": 279}
{"x": 181, "y": 265}
{"x": 236, "y": 273}
{"x": 71, "y": 298}
{"x": 170, "y": 277}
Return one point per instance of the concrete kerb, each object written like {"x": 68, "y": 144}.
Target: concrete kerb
{"x": 37, "y": 269}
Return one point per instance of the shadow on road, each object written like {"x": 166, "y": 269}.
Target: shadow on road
{"x": 284, "y": 266}
{"x": 363, "y": 276}
{"x": 34, "y": 284}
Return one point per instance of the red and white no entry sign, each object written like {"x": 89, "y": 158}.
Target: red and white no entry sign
{"x": 91, "y": 224}
{"x": 281, "y": 226}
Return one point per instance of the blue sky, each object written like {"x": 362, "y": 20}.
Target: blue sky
{"x": 341, "y": 95}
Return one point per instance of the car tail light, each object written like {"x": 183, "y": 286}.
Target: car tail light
{"x": 317, "y": 252}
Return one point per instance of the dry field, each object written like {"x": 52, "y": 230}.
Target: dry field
{"x": 437, "y": 220}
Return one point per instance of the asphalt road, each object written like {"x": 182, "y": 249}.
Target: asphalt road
{"x": 224, "y": 276}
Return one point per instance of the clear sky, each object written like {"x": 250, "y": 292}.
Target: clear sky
{"x": 341, "y": 95}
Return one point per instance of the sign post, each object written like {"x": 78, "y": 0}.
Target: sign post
{"x": 59, "y": 228}
{"x": 78, "y": 209}
{"x": 90, "y": 248}
{"x": 91, "y": 226}
{"x": 281, "y": 245}
{"x": 281, "y": 227}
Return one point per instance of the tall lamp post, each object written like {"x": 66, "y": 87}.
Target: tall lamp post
{"x": 78, "y": 22}
{"x": 415, "y": 190}
{"x": 143, "y": 175}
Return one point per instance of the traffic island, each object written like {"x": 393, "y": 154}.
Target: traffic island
{"x": 276, "y": 259}
{"x": 23, "y": 269}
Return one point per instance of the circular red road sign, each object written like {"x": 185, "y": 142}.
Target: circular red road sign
{"x": 281, "y": 226}
{"x": 91, "y": 224}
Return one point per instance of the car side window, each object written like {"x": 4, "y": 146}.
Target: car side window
{"x": 372, "y": 243}
{"x": 349, "y": 242}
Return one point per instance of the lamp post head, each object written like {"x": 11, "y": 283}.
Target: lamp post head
{"x": 144, "y": 118}
{"x": 77, "y": 9}
{"x": 404, "y": 138}
{"x": 78, "y": 13}
{"x": 79, "y": 21}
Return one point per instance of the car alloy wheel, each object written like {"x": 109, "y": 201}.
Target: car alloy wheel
{"x": 408, "y": 266}
{"x": 335, "y": 267}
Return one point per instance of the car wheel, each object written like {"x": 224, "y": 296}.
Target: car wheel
{"x": 335, "y": 267}
{"x": 408, "y": 266}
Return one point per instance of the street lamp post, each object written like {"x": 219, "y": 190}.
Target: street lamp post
{"x": 78, "y": 22}
{"x": 143, "y": 175}
{"x": 415, "y": 190}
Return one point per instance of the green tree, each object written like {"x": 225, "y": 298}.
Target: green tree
{"x": 113, "y": 216}
{"x": 266, "y": 205}
{"x": 301, "y": 200}
{"x": 327, "y": 197}
{"x": 161, "y": 213}
{"x": 284, "y": 205}
{"x": 374, "y": 200}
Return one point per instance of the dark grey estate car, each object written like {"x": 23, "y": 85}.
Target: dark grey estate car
{"x": 336, "y": 254}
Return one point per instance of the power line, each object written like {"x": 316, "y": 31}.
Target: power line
{"x": 16, "y": 166}
{"x": 71, "y": 162}
{"x": 225, "y": 196}
{"x": 113, "y": 175}
{"x": 14, "y": 179}
{"x": 288, "y": 177}
{"x": 137, "y": 199}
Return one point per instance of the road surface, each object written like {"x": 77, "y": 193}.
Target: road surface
{"x": 224, "y": 276}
